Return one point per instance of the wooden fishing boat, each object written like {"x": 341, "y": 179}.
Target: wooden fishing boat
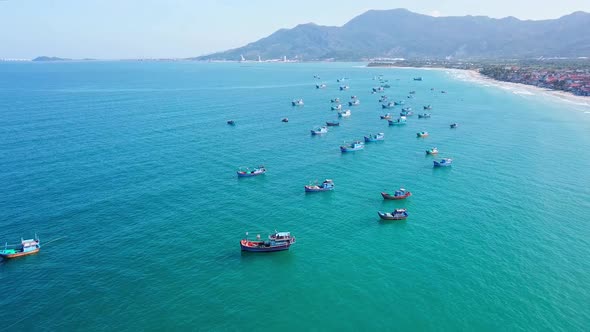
{"x": 375, "y": 137}
{"x": 422, "y": 134}
{"x": 401, "y": 193}
{"x": 327, "y": 185}
{"x": 285, "y": 120}
{"x": 354, "y": 102}
{"x": 432, "y": 151}
{"x": 424, "y": 116}
{"x": 319, "y": 130}
{"x": 445, "y": 162}
{"x": 259, "y": 245}
{"x": 354, "y": 146}
{"x": 397, "y": 214}
{"x": 231, "y": 122}
{"x": 297, "y": 102}
{"x": 26, "y": 247}
{"x": 332, "y": 123}
{"x": 454, "y": 125}
{"x": 246, "y": 172}
{"x": 398, "y": 122}
{"x": 386, "y": 116}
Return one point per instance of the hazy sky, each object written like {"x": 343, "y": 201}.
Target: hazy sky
{"x": 183, "y": 28}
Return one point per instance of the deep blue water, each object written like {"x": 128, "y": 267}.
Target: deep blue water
{"x": 126, "y": 170}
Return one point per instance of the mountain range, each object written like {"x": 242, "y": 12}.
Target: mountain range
{"x": 401, "y": 33}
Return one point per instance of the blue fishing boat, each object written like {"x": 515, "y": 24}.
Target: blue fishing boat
{"x": 417, "y": 78}
{"x": 398, "y": 103}
{"x": 375, "y": 137}
{"x": 445, "y": 162}
{"x": 344, "y": 87}
{"x": 354, "y": 146}
{"x": 327, "y": 185}
{"x": 422, "y": 134}
{"x": 424, "y": 116}
{"x": 406, "y": 113}
{"x": 246, "y": 172}
{"x": 344, "y": 114}
{"x": 285, "y": 120}
{"x": 297, "y": 102}
{"x": 277, "y": 242}
{"x": 319, "y": 130}
{"x": 378, "y": 89}
{"x": 320, "y": 86}
{"x": 399, "y": 194}
{"x": 26, "y": 247}
{"x": 402, "y": 120}
{"x": 397, "y": 214}
{"x": 231, "y": 122}
{"x": 406, "y": 109}
{"x": 454, "y": 125}
{"x": 386, "y": 116}
{"x": 427, "y": 107}
{"x": 432, "y": 151}
{"x": 332, "y": 123}
{"x": 354, "y": 102}
{"x": 388, "y": 105}
{"x": 335, "y": 100}
{"x": 337, "y": 107}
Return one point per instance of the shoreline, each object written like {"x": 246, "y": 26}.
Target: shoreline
{"x": 471, "y": 75}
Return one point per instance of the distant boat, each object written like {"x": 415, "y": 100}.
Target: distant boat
{"x": 285, "y": 119}
{"x": 445, "y": 162}
{"x": 277, "y": 242}
{"x": 432, "y": 151}
{"x": 401, "y": 193}
{"x": 427, "y": 107}
{"x": 424, "y": 116}
{"x": 297, "y": 102}
{"x": 406, "y": 109}
{"x": 344, "y": 87}
{"x": 454, "y": 125}
{"x": 422, "y": 134}
{"x": 397, "y": 214}
{"x": 386, "y": 116}
{"x": 327, "y": 185}
{"x": 337, "y": 107}
{"x": 319, "y": 130}
{"x": 231, "y": 122}
{"x": 412, "y": 92}
{"x": 397, "y": 122}
{"x": 401, "y": 102}
{"x": 406, "y": 113}
{"x": 375, "y": 137}
{"x": 443, "y": 91}
{"x": 332, "y": 123}
{"x": 355, "y": 102}
{"x": 388, "y": 105}
{"x": 386, "y": 86}
{"x": 354, "y": 146}
{"x": 335, "y": 100}
{"x": 320, "y": 86}
{"x": 378, "y": 89}
{"x": 246, "y": 172}
{"x": 341, "y": 79}
{"x": 344, "y": 114}
{"x": 26, "y": 247}
{"x": 317, "y": 77}
{"x": 383, "y": 99}
{"x": 417, "y": 78}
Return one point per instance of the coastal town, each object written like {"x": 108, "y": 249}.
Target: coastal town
{"x": 570, "y": 75}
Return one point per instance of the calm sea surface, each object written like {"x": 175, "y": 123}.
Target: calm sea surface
{"x": 126, "y": 170}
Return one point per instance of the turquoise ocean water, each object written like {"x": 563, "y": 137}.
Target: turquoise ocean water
{"x": 126, "y": 170}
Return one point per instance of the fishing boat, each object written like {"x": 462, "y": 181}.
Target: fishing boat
{"x": 355, "y": 102}
{"x": 332, "y": 123}
{"x": 427, "y": 107}
{"x": 406, "y": 109}
{"x": 378, "y": 89}
{"x": 432, "y": 151}
{"x": 386, "y": 86}
{"x": 406, "y": 113}
{"x": 341, "y": 79}
{"x": 344, "y": 114}
{"x": 231, "y": 122}
{"x": 445, "y": 162}
{"x": 375, "y": 137}
{"x": 353, "y": 97}
{"x": 26, "y": 247}
{"x": 354, "y": 146}
{"x": 386, "y": 116}
{"x": 284, "y": 241}
{"x": 319, "y": 130}
{"x": 327, "y": 185}
{"x": 337, "y": 107}
{"x": 454, "y": 125}
{"x": 246, "y": 172}
{"x": 398, "y": 103}
{"x": 383, "y": 99}
{"x": 417, "y": 78}
{"x": 297, "y": 102}
{"x": 285, "y": 120}
{"x": 422, "y": 134}
{"x": 412, "y": 92}
{"x": 320, "y": 86}
{"x": 388, "y": 105}
{"x": 344, "y": 87}
{"x": 402, "y": 120}
{"x": 443, "y": 91}
{"x": 335, "y": 100}
{"x": 401, "y": 193}
{"x": 397, "y": 214}
{"x": 424, "y": 116}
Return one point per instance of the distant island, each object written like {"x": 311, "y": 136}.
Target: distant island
{"x": 399, "y": 33}
{"x": 50, "y": 58}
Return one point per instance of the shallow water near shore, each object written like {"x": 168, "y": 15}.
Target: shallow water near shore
{"x": 134, "y": 164}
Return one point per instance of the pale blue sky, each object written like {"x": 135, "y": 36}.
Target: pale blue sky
{"x": 110, "y": 29}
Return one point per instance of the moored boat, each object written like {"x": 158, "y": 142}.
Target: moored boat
{"x": 417, "y": 78}
{"x": 354, "y": 146}
{"x": 344, "y": 87}
{"x": 397, "y": 214}
{"x": 424, "y": 116}
{"x": 332, "y": 123}
{"x": 375, "y": 137}
{"x": 402, "y": 120}
{"x": 386, "y": 116}
{"x": 445, "y": 162}
{"x": 344, "y": 114}
{"x": 297, "y": 102}
{"x": 401, "y": 193}
{"x": 285, "y": 120}
{"x": 270, "y": 245}
{"x": 354, "y": 102}
{"x": 26, "y": 247}
{"x": 319, "y": 130}
{"x": 320, "y": 86}
{"x": 398, "y": 103}
{"x": 280, "y": 236}
{"x": 383, "y": 99}
{"x": 388, "y": 105}
{"x": 406, "y": 113}
{"x": 337, "y": 107}
{"x": 231, "y": 122}
{"x": 327, "y": 185}
{"x": 432, "y": 151}
{"x": 427, "y": 107}
{"x": 246, "y": 172}
{"x": 422, "y": 134}
{"x": 454, "y": 125}
{"x": 412, "y": 92}
{"x": 335, "y": 100}
{"x": 378, "y": 89}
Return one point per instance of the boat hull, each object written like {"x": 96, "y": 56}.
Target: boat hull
{"x": 393, "y": 197}
{"x": 254, "y": 246}
{"x": 247, "y": 175}
{"x": 316, "y": 190}
{"x": 19, "y": 254}
{"x": 384, "y": 216}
